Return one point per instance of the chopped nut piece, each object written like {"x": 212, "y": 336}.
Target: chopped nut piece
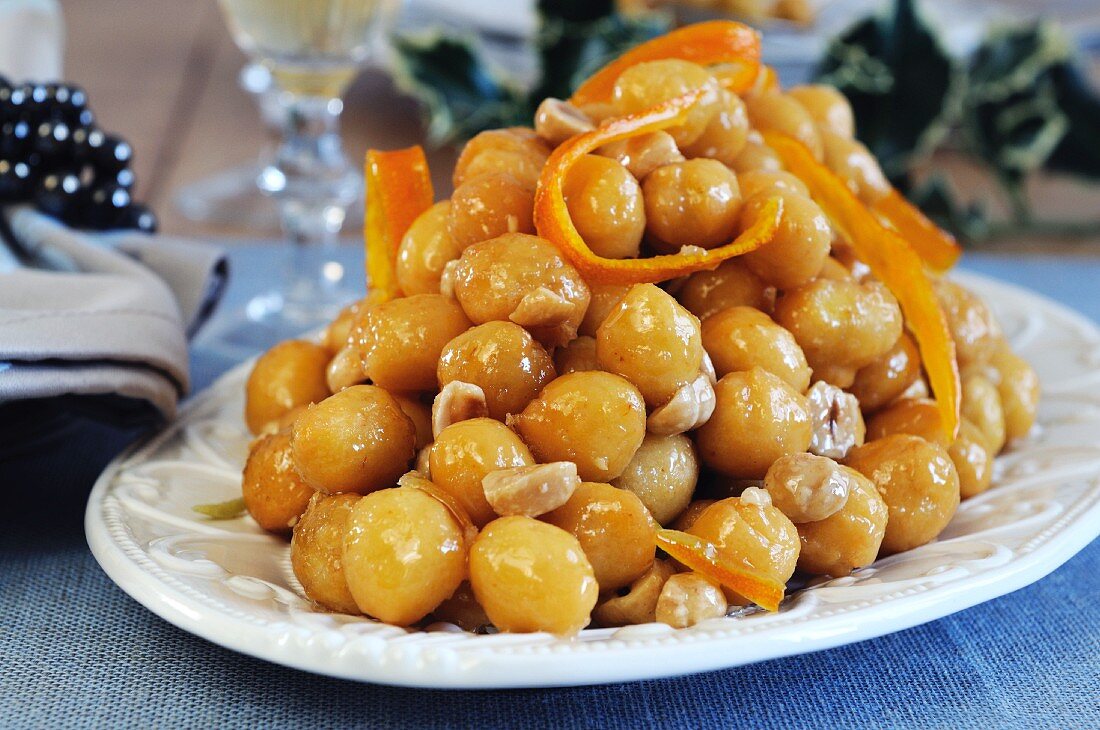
{"x": 530, "y": 490}
{"x": 447, "y": 279}
{"x": 643, "y": 154}
{"x": 757, "y": 497}
{"x": 541, "y": 308}
{"x": 690, "y": 408}
{"x": 557, "y": 121}
{"x": 422, "y": 461}
{"x": 837, "y": 421}
{"x": 344, "y": 370}
{"x": 688, "y": 598}
{"x": 807, "y": 488}
{"x": 458, "y": 401}
{"x": 688, "y": 250}
{"x": 639, "y": 606}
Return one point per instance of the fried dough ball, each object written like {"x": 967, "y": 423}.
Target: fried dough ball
{"x": 840, "y": 323}
{"x": 849, "y": 538}
{"x": 515, "y": 150}
{"x": 800, "y": 245}
{"x": 289, "y": 375}
{"x": 973, "y": 459}
{"x": 606, "y": 207}
{"x": 400, "y": 341}
{"x": 465, "y": 452}
{"x": 503, "y": 360}
{"x": 404, "y": 554}
{"x": 577, "y": 357}
{"x": 918, "y": 482}
{"x": 273, "y": 492}
{"x": 888, "y": 376}
{"x": 754, "y": 182}
{"x": 1018, "y": 385}
{"x": 649, "y": 83}
{"x": 639, "y": 605}
{"x": 724, "y": 136}
{"x": 976, "y": 332}
{"x": 756, "y": 534}
{"x": 917, "y": 416}
{"x": 605, "y": 297}
{"x": 532, "y": 576}
{"x": 652, "y": 341}
{"x": 644, "y": 153}
{"x": 316, "y": 551}
{"x": 420, "y": 414}
{"x": 756, "y": 155}
{"x": 491, "y": 205}
{"x": 758, "y": 418}
{"x": 981, "y": 404}
{"x": 358, "y": 440}
{"x": 523, "y": 279}
{"x": 615, "y": 531}
{"x": 689, "y": 598}
{"x": 730, "y": 285}
{"x": 663, "y": 474}
{"x": 594, "y": 419}
{"x": 741, "y": 338}
{"x": 687, "y": 518}
{"x": 828, "y": 108}
{"x": 338, "y": 333}
{"x": 425, "y": 249}
{"x": 856, "y": 166}
{"x": 779, "y": 112}
{"x": 691, "y": 203}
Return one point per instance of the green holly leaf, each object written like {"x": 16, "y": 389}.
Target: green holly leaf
{"x": 903, "y": 87}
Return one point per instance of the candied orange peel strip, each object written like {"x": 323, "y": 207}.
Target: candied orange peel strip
{"x": 894, "y": 262}
{"x": 935, "y": 246}
{"x": 705, "y": 558}
{"x": 554, "y": 224}
{"x": 399, "y": 188}
{"x": 716, "y": 41}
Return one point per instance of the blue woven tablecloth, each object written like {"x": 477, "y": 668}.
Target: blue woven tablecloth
{"x": 75, "y": 650}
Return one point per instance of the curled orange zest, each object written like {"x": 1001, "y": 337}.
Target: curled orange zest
{"x": 705, "y": 558}
{"x": 554, "y": 224}
{"x": 716, "y": 41}
{"x": 399, "y": 188}
{"x": 894, "y": 262}
{"x": 936, "y": 246}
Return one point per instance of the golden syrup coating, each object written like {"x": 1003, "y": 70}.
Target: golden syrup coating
{"x": 273, "y": 492}
{"x": 338, "y": 333}
{"x": 841, "y": 324}
{"x": 425, "y": 249}
{"x": 916, "y": 416}
{"x": 605, "y": 297}
{"x": 741, "y": 338}
{"x": 981, "y": 404}
{"x": 639, "y": 605}
{"x": 644, "y": 153}
{"x": 856, "y": 166}
{"x": 730, "y": 285}
{"x": 918, "y": 482}
{"x": 758, "y": 418}
{"x": 691, "y": 203}
{"x": 502, "y": 359}
{"x": 614, "y": 529}
{"x": 754, "y": 182}
{"x": 400, "y": 341}
{"x": 606, "y": 206}
{"x": 491, "y": 205}
{"x": 976, "y": 332}
{"x": 849, "y": 538}
{"x": 404, "y": 554}
{"x": 881, "y": 382}
{"x": 516, "y": 150}
{"x": 647, "y": 84}
{"x": 577, "y": 357}
{"x": 594, "y": 419}
{"x": 494, "y": 278}
{"x": 465, "y": 452}
{"x": 531, "y": 576}
{"x": 756, "y": 535}
{"x": 800, "y": 245}
{"x": 973, "y": 459}
{"x": 358, "y": 440}
{"x": 756, "y": 156}
{"x": 652, "y": 341}
{"x": 663, "y": 474}
{"x": 1018, "y": 385}
{"x": 289, "y": 375}
{"x": 420, "y": 414}
{"x": 833, "y": 269}
{"x": 317, "y": 551}
{"x": 462, "y": 610}
{"x": 689, "y": 598}
{"x": 725, "y": 134}
{"x": 828, "y": 108}
{"x": 778, "y": 112}
{"x": 687, "y": 518}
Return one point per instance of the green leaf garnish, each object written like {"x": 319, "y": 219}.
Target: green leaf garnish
{"x": 229, "y": 510}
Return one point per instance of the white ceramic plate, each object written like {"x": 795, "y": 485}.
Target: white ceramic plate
{"x": 231, "y": 583}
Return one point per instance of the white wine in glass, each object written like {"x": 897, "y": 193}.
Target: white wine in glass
{"x": 314, "y": 48}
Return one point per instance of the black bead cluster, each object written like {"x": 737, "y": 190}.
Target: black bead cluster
{"x": 53, "y": 155}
